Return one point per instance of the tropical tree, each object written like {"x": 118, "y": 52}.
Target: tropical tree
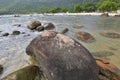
{"x": 108, "y": 6}
{"x": 77, "y": 8}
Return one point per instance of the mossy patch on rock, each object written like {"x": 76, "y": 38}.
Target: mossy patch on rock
{"x": 27, "y": 73}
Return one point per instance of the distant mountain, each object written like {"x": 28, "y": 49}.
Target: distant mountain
{"x": 23, "y": 6}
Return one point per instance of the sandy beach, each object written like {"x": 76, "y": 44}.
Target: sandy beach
{"x": 87, "y": 14}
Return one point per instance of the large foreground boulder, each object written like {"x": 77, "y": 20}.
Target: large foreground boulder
{"x": 62, "y": 58}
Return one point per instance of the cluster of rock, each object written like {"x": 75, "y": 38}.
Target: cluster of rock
{"x": 87, "y": 37}
{"x": 37, "y": 25}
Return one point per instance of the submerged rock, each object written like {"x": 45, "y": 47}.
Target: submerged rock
{"x": 34, "y": 24}
{"x": 27, "y": 73}
{"x": 5, "y": 34}
{"x": 110, "y": 34}
{"x": 77, "y": 26}
{"x": 62, "y": 58}
{"x": 16, "y": 33}
{"x": 49, "y": 26}
{"x": 107, "y": 70}
{"x": 103, "y": 54}
{"x": 1, "y": 69}
{"x": 84, "y": 36}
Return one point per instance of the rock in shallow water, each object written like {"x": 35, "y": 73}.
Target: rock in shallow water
{"x": 16, "y": 33}
{"x": 84, "y": 36}
{"x": 5, "y": 34}
{"x": 110, "y": 34}
{"x": 34, "y": 24}
{"x": 63, "y": 58}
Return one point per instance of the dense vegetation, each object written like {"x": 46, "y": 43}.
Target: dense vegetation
{"x": 54, "y": 6}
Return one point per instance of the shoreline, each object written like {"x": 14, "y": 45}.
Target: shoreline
{"x": 82, "y": 14}
{"x": 68, "y": 14}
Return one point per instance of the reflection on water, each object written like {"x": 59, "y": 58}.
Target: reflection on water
{"x": 12, "y": 48}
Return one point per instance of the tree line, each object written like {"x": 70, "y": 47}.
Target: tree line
{"x": 101, "y": 6}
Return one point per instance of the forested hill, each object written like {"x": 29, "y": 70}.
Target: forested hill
{"x": 28, "y": 6}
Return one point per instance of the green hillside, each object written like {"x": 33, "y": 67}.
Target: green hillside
{"x": 41, "y": 6}
{"x": 29, "y": 6}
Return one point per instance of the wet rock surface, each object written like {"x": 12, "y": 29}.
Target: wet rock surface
{"x": 64, "y": 58}
{"x": 110, "y": 34}
{"x": 85, "y": 36}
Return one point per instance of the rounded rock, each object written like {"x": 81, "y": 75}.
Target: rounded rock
{"x": 62, "y": 58}
{"x": 34, "y": 24}
{"x": 5, "y": 34}
{"x": 16, "y": 33}
{"x": 49, "y": 26}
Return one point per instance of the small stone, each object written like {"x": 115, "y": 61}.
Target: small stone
{"x": 16, "y": 33}
{"x": 5, "y": 34}
{"x": 49, "y": 26}
{"x": 1, "y": 69}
